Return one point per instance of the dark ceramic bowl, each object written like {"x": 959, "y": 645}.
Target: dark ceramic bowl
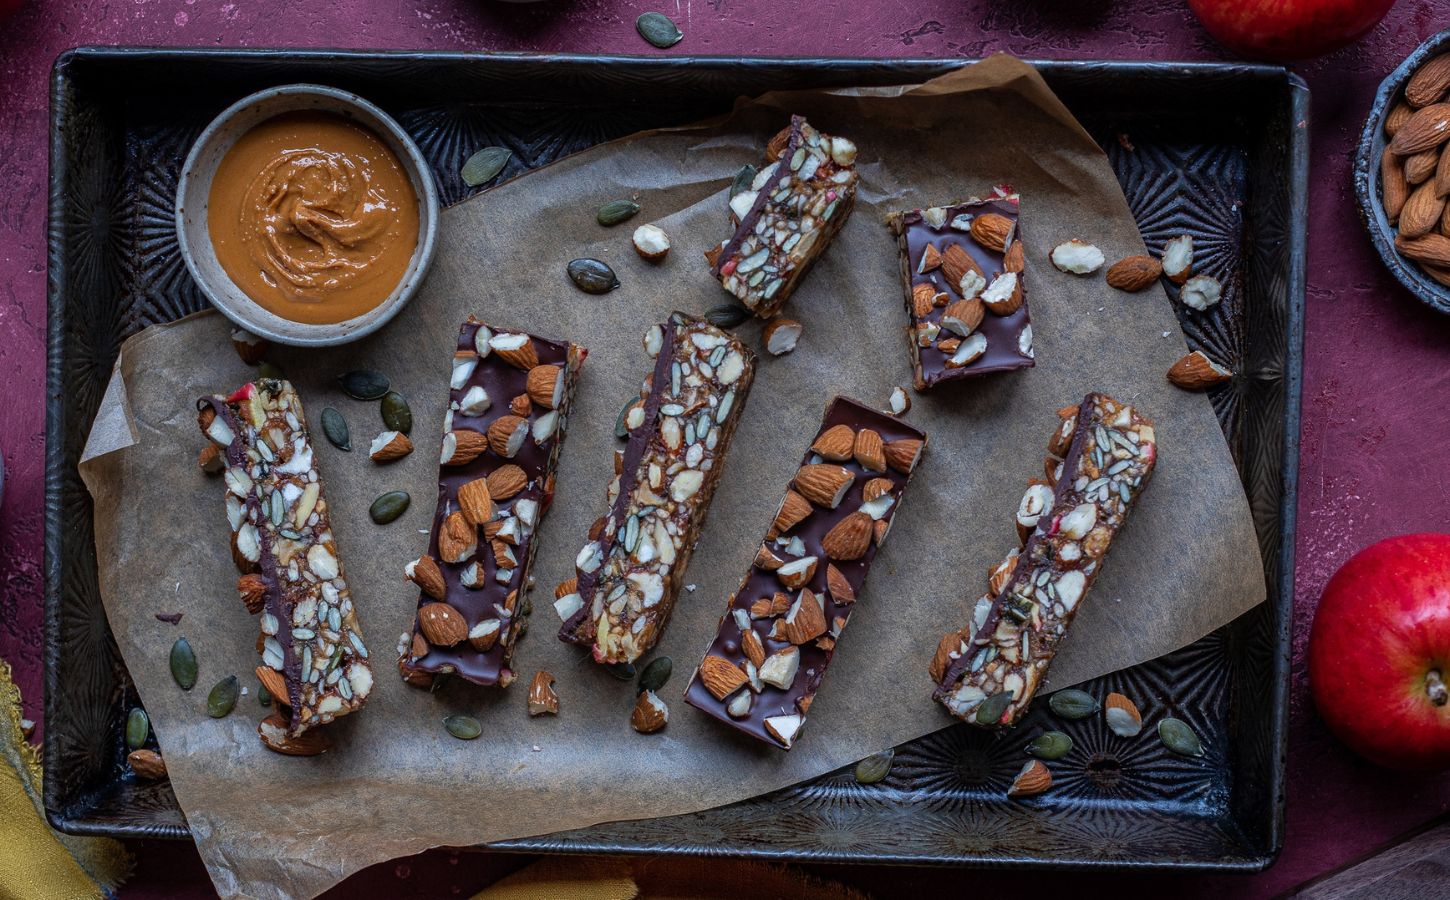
{"x": 1367, "y": 178}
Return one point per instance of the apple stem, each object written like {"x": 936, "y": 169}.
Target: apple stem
{"x": 1435, "y": 687}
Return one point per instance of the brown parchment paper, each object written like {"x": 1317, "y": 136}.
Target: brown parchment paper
{"x": 272, "y": 826}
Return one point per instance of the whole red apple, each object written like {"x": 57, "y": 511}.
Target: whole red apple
{"x": 1288, "y": 29}
{"x": 1379, "y": 653}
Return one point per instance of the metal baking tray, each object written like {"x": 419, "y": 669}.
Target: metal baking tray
{"x": 1216, "y": 150}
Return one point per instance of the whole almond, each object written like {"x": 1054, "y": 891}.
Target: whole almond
{"x": 441, "y": 624}
{"x": 836, "y": 444}
{"x": 1430, "y": 82}
{"x": 1399, "y": 114}
{"x": 1433, "y": 249}
{"x": 1196, "y": 372}
{"x": 253, "y": 590}
{"x": 274, "y": 684}
{"x": 546, "y": 385}
{"x": 849, "y": 538}
{"x": 1420, "y": 166}
{"x": 506, "y": 481}
{"x": 147, "y": 764}
{"x": 1134, "y": 273}
{"x": 424, "y": 572}
{"x": 475, "y": 501}
{"x": 823, "y": 484}
{"x": 462, "y": 447}
{"x": 1427, "y": 128}
{"x": 1394, "y": 189}
{"x": 957, "y": 262}
{"x": 870, "y": 451}
{"x": 1442, "y": 175}
{"x": 1437, "y": 273}
{"x": 1421, "y": 213}
{"x": 992, "y": 231}
{"x": 720, "y": 676}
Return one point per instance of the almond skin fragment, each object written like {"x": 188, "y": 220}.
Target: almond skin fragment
{"x": 1134, "y": 273}
{"x": 542, "y": 699}
{"x": 1196, "y": 372}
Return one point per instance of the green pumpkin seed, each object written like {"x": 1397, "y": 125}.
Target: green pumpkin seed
{"x": 622, "y": 671}
{"x": 1178, "y": 737}
{"x": 874, "y": 767}
{"x": 989, "y": 712}
{"x": 465, "y": 728}
{"x": 183, "y": 664}
{"x": 138, "y": 729}
{"x": 743, "y": 180}
{"x": 1073, "y": 704}
{"x": 264, "y": 696}
{"x": 269, "y": 370}
{"x": 656, "y": 674}
{"x": 397, "y": 415}
{"x": 334, "y": 426}
{"x": 1050, "y": 745}
{"x": 592, "y": 276}
{"x": 616, "y": 211}
{"x": 223, "y": 697}
{"x": 364, "y": 384}
{"x": 389, "y": 506}
{"x": 658, "y": 30}
{"x": 621, "y": 430}
{"x": 727, "y": 315}
{"x": 484, "y": 166}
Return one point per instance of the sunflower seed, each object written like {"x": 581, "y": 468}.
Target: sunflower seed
{"x": 874, "y": 767}
{"x": 397, "y": 415}
{"x": 727, "y": 315}
{"x": 389, "y": 506}
{"x": 1073, "y": 704}
{"x": 990, "y": 711}
{"x": 183, "y": 664}
{"x": 334, "y": 426}
{"x": 465, "y": 728}
{"x": 1050, "y": 745}
{"x": 592, "y": 276}
{"x": 656, "y": 674}
{"x": 616, "y": 211}
{"x": 623, "y": 671}
{"x": 743, "y": 180}
{"x": 223, "y": 697}
{"x": 364, "y": 384}
{"x": 138, "y": 729}
{"x": 1178, "y": 737}
{"x": 484, "y": 166}
{"x": 658, "y": 30}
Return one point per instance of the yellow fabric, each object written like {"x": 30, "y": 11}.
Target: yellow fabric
{"x": 610, "y": 878}
{"x": 37, "y": 863}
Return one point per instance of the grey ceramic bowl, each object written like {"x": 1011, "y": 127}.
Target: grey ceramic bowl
{"x": 1367, "y": 178}
{"x": 195, "y": 187}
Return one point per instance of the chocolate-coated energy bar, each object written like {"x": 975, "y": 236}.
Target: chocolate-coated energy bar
{"x": 679, "y": 430}
{"x": 966, "y": 301}
{"x": 787, "y": 217}
{"x": 1100, "y": 459}
{"x": 314, "y": 660}
{"x": 780, "y": 628}
{"x": 509, "y": 399}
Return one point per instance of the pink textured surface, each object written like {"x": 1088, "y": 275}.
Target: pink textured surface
{"x": 1372, "y": 462}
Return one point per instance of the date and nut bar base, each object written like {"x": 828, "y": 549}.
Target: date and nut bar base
{"x": 780, "y": 629}
{"x": 1099, "y": 461}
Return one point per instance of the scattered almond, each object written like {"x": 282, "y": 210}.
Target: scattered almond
{"x": 650, "y": 713}
{"x": 1077, "y": 257}
{"x": 1134, "y": 273}
{"x": 442, "y": 625}
{"x": 390, "y": 445}
{"x": 1196, "y": 372}
{"x": 542, "y": 699}
{"x": 651, "y": 242}
{"x": 210, "y": 460}
{"x": 1200, "y": 292}
{"x": 1031, "y": 781}
{"x": 1178, "y": 258}
{"x": 1122, "y": 716}
{"x": 147, "y": 764}
{"x": 899, "y": 403}
{"x": 780, "y": 335}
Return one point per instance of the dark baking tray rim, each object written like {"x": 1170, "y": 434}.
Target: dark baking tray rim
{"x": 911, "y": 69}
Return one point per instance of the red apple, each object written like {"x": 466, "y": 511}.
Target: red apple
{"x": 1379, "y": 653}
{"x": 1288, "y": 29}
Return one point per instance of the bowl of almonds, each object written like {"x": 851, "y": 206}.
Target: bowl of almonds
{"x": 1402, "y": 172}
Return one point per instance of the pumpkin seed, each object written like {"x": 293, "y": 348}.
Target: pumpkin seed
{"x": 1050, "y": 745}
{"x": 334, "y": 426}
{"x": 727, "y": 315}
{"x": 269, "y": 370}
{"x": 484, "y": 166}
{"x": 389, "y": 506}
{"x": 397, "y": 415}
{"x": 223, "y": 697}
{"x": 743, "y": 180}
{"x": 465, "y": 728}
{"x": 656, "y": 674}
{"x": 364, "y": 384}
{"x": 592, "y": 276}
{"x": 658, "y": 30}
{"x": 1073, "y": 704}
{"x": 183, "y": 664}
{"x": 264, "y": 696}
{"x": 616, "y": 211}
{"x": 1178, "y": 737}
{"x": 874, "y": 767}
{"x": 621, "y": 431}
{"x": 622, "y": 671}
{"x": 138, "y": 729}
{"x": 989, "y": 712}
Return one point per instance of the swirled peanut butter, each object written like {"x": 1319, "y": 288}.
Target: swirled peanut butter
{"x": 313, "y": 217}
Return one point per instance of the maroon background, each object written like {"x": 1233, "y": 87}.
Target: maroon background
{"x": 1377, "y": 370}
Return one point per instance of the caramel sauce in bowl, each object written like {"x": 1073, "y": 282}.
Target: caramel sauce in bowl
{"x": 306, "y": 215}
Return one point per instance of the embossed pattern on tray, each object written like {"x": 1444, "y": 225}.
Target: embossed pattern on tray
{"x": 115, "y": 270}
